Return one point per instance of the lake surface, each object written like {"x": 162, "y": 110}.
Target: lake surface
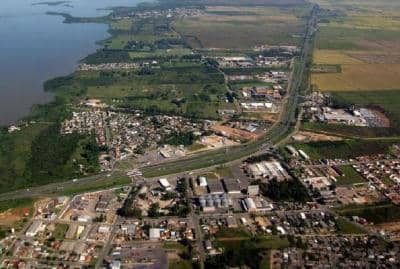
{"x": 35, "y": 47}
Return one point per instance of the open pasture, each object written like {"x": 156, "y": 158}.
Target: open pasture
{"x": 238, "y": 29}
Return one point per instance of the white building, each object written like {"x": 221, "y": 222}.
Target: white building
{"x": 165, "y": 184}
{"x": 36, "y": 227}
{"x": 202, "y": 181}
{"x": 154, "y": 233}
{"x": 249, "y": 205}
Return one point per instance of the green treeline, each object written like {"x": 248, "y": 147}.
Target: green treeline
{"x": 50, "y": 152}
{"x": 177, "y": 139}
{"x": 51, "y": 155}
{"x": 286, "y": 190}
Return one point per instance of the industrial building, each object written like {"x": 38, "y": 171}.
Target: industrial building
{"x": 165, "y": 184}
{"x": 256, "y": 205}
{"x": 268, "y": 170}
{"x": 232, "y": 186}
{"x": 202, "y": 181}
{"x": 36, "y": 227}
{"x": 253, "y": 190}
{"x": 215, "y": 187}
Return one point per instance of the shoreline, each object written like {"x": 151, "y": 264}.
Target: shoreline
{"x": 68, "y": 19}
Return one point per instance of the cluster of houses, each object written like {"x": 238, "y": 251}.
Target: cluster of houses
{"x": 167, "y": 13}
{"x": 124, "y": 134}
{"x": 106, "y": 66}
{"x": 338, "y": 251}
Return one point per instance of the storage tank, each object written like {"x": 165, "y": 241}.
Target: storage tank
{"x": 217, "y": 202}
{"x": 210, "y": 202}
{"x": 225, "y": 202}
{"x": 202, "y": 201}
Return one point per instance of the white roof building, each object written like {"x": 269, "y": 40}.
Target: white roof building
{"x": 165, "y": 183}
{"x": 249, "y": 205}
{"x": 154, "y": 233}
{"x": 36, "y": 227}
{"x": 202, "y": 181}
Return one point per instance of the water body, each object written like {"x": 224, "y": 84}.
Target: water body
{"x": 35, "y": 47}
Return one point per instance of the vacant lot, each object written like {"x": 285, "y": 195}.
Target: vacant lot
{"x": 350, "y": 176}
{"x": 241, "y": 28}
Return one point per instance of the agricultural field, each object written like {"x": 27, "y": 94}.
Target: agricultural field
{"x": 334, "y": 57}
{"x": 363, "y": 37}
{"x": 360, "y": 77}
{"x": 140, "y": 35}
{"x": 242, "y": 28}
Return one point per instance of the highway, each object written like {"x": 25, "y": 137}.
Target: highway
{"x": 206, "y": 159}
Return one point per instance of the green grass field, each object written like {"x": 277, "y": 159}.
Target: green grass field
{"x": 105, "y": 183}
{"x": 347, "y": 38}
{"x": 350, "y": 176}
{"x": 15, "y": 203}
{"x": 345, "y": 226}
{"x": 376, "y": 213}
{"x": 60, "y": 230}
{"x": 346, "y": 149}
{"x": 189, "y": 89}
{"x": 15, "y": 152}
{"x": 175, "y": 52}
{"x": 263, "y": 242}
